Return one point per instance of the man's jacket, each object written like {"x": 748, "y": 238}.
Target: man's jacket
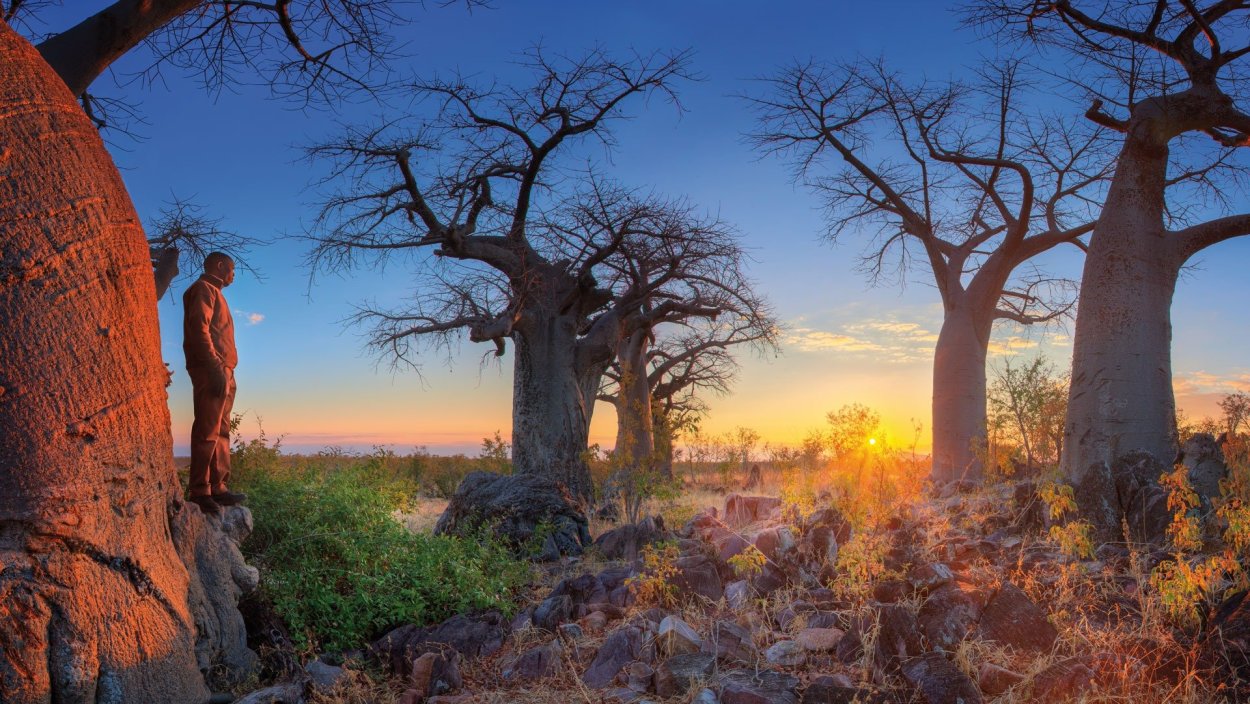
{"x": 207, "y": 326}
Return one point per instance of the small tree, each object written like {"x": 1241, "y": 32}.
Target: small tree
{"x": 1236, "y": 407}
{"x": 1028, "y": 399}
{"x": 850, "y": 429}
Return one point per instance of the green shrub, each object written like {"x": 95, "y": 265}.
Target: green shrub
{"x": 340, "y": 569}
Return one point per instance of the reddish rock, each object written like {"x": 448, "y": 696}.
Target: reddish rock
{"x": 949, "y": 613}
{"x": 994, "y": 680}
{"x": 939, "y": 681}
{"x": 621, "y": 647}
{"x": 1011, "y": 618}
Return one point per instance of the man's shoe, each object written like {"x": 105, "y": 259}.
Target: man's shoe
{"x": 229, "y": 498}
{"x": 206, "y": 504}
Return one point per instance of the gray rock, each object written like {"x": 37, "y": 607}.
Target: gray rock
{"x": 473, "y": 636}
{"x": 764, "y": 687}
{"x": 1143, "y": 503}
{"x": 840, "y": 690}
{"x": 1011, "y": 618}
{"x": 819, "y": 640}
{"x": 939, "y": 681}
{"x": 929, "y": 576}
{"x": 738, "y": 594}
{"x": 553, "y": 611}
{"x": 899, "y": 636}
{"x": 535, "y": 663}
{"x": 640, "y": 677}
{"x": 620, "y": 648}
{"x": 729, "y": 641}
{"x": 436, "y": 673}
{"x": 705, "y": 696}
{"x": 219, "y": 577}
{"x": 1204, "y": 461}
{"x": 287, "y": 693}
{"x": 786, "y": 653}
{"x": 674, "y": 676}
{"x": 697, "y": 575}
{"x": 627, "y": 541}
{"x": 676, "y": 637}
{"x": 324, "y": 676}
{"x": 949, "y": 614}
{"x": 514, "y": 506}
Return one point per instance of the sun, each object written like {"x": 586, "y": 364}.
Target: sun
{"x": 872, "y": 441}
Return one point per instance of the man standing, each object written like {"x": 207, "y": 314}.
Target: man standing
{"x": 208, "y": 343}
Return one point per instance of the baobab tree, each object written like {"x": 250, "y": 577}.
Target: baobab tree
{"x": 1169, "y": 79}
{"x": 96, "y": 600}
{"x": 677, "y": 369}
{"x": 690, "y": 276}
{"x": 515, "y": 239}
{"x": 976, "y": 189}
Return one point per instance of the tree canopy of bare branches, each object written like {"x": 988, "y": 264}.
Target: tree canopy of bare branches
{"x": 524, "y": 247}
{"x": 956, "y": 179}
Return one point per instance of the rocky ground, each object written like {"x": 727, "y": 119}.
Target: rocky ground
{"x": 951, "y": 598}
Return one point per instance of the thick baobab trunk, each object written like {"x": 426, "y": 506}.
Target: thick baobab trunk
{"x": 1121, "y": 396}
{"x": 93, "y": 597}
{"x": 662, "y": 436}
{"x": 634, "y": 436}
{"x": 550, "y": 413}
{"x": 959, "y": 397}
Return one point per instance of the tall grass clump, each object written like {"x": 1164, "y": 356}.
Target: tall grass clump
{"x": 340, "y": 569}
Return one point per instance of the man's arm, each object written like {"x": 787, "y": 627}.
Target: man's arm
{"x": 199, "y": 314}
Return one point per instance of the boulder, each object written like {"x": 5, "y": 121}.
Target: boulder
{"x": 763, "y": 687}
{"x": 620, "y": 648}
{"x": 775, "y": 542}
{"x": 219, "y": 578}
{"x": 949, "y": 614}
{"x": 640, "y": 677}
{"x": 1144, "y": 504}
{"x": 471, "y": 635}
{"x": 1011, "y": 618}
{"x": 1063, "y": 681}
{"x": 729, "y": 641}
{"x": 514, "y": 506}
{"x": 285, "y": 693}
{"x": 676, "y": 637}
{"x": 738, "y": 594}
{"x": 324, "y": 676}
{"x": 535, "y": 663}
{"x": 1204, "y": 461}
{"x": 940, "y": 681}
{"x": 627, "y": 541}
{"x": 675, "y": 675}
{"x": 840, "y": 690}
{"x": 994, "y": 680}
{"x": 1224, "y": 649}
{"x": 698, "y": 575}
{"x": 929, "y": 576}
{"x": 819, "y": 640}
{"x": 747, "y": 509}
{"x": 434, "y": 673}
{"x": 553, "y": 611}
{"x": 786, "y": 653}
{"x": 899, "y": 636}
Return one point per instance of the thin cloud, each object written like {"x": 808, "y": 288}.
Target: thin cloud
{"x": 1201, "y": 382}
{"x": 250, "y": 317}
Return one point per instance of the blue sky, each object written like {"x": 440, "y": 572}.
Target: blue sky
{"x": 238, "y": 154}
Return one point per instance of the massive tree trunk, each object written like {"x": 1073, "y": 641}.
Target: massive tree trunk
{"x": 550, "y": 412}
{"x": 93, "y": 597}
{"x": 634, "y": 434}
{"x": 959, "y": 395}
{"x": 1121, "y": 395}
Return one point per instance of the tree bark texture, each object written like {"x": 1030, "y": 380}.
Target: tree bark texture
{"x": 93, "y": 596}
{"x": 633, "y": 411}
{"x": 959, "y": 410}
{"x": 1121, "y": 396}
{"x": 550, "y": 411}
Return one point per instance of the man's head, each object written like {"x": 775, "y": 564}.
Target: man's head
{"x": 221, "y": 266}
